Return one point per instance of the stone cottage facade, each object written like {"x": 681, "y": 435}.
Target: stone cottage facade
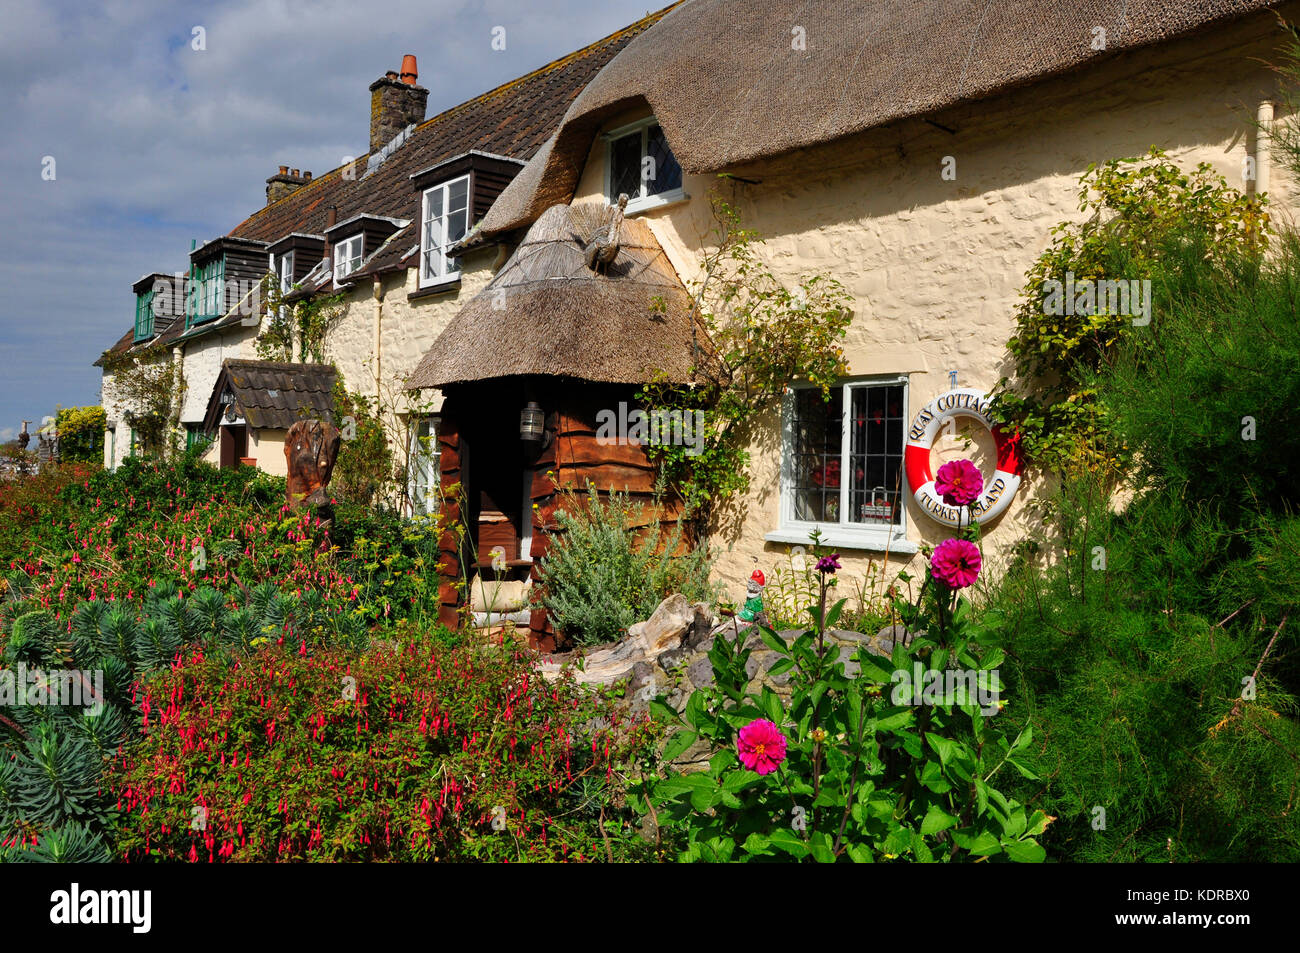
{"x": 920, "y": 154}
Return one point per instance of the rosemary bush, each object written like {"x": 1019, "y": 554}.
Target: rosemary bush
{"x": 602, "y": 574}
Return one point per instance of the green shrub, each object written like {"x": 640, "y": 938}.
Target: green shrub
{"x": 51, "y": 789}
{"x": 1141, "y": 208}
{"x": 600, "y": 576}
{"x": 1130, "y": 656}
{"x": 81, "y": 434}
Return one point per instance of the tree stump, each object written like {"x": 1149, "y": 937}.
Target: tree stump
{"x": 310, "y": 448}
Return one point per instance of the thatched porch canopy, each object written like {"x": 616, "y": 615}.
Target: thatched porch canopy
{"x": 547, "y": 313}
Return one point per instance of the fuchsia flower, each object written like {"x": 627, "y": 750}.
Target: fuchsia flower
{"x": 829, "y": 563}
{"x": 956, "y": 563}
{"x": 959, "y": 482}
{"x": 761, "y": 746}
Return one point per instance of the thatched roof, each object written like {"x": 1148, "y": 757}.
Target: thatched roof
{"x": 546, "y": 313}
{"x": 725, "y": 84}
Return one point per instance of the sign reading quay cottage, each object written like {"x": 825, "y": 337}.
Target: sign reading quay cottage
{"x": 961, "y": 402}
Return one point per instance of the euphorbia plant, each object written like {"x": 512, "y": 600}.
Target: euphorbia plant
{"x": 870, "y": 767}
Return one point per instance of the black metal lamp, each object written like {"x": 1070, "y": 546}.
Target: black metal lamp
{"x": 532, "y": 423}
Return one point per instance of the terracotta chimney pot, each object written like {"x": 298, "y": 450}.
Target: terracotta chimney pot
{"x": 409, "y": 72}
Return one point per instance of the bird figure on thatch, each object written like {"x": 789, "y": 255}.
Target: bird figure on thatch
{"x": 602, "y": 247}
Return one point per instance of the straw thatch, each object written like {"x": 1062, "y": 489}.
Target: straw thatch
{"x": 723, "y": 79}
{"x": 546, "y": 313}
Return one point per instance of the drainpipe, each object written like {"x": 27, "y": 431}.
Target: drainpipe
{"x": 1263, "y": 140}
{"x": 379, "y": 313}
{"x": 178, "y": 362}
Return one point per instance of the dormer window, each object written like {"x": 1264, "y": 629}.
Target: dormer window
{"x": 225, "y": 274}
{"x": 640, "y": 164}
{"x": 207, "y": 292}
{"x": 144, "y": 315}
{"x": 445, "y": 220}
{"x": 347, "y": 257}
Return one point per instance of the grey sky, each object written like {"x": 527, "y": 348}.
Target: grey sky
{"x": 155, "y": 143}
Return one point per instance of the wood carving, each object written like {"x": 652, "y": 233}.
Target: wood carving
{"x": 310, "y": 448}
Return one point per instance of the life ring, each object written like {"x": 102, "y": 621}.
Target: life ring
{"x": 997, "y": 493}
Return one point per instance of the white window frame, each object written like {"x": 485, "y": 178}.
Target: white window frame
{"x": 359, "y": 257}
{"x": 841, "y": 535}
{"x": 638, "y": 203}
{"x": 426, "y": 238}
{"x": 421, "y": 458}
{"x": 283, "y": 277}
{"x": 283, "y": 268}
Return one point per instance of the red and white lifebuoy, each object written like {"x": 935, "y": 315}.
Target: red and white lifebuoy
{"x": 998, "y": 491}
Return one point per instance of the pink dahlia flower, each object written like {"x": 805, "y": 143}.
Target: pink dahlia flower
{"x": 959, "y": 482}
{"x": 956, "y": 563}
{"x": 761, "y": 746}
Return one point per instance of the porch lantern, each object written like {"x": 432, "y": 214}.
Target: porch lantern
{"x": 532, "y": 422}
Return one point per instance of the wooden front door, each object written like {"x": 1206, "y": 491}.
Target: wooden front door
{"x": 234, "y": 444}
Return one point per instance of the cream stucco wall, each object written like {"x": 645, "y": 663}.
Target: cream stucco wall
{"x": 407, "y": 328}
{"x": 935, "y": 267}
{"x": 267, "y": 448}
{"x": 203, "y": 358}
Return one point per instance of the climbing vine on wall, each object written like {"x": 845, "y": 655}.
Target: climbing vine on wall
{"x": 765, "y": 336}
{"x": 308, "y": 321}
{"x": 1136, "y": 208}
{"x": 150, "y": 387}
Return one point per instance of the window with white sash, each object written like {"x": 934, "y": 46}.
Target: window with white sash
{"x": 347, "y": 257}
{"x": 423, "y": 472}
{"x": 444, "y": 221}
{"x": 842, "y": 463}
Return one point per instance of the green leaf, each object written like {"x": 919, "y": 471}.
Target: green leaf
{"x": 682, "y": 739}
{"x": 946, "y": 747}
{"x": 781, "y": 667}
{"x": 773, "y": 707}
{"x": 663, "y": 712}
{"x": 785, "y": 839}
{"x": 1024, "y": 851}
{"x": 859, "y": 854}
{"x": 773, "y": 641}
{"x": 819, "y": 843}
{"x": 937, "y": 819}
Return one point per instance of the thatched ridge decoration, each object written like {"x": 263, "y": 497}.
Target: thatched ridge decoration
{"x": 547, "y": 313}
{"x": 733, "y": 82}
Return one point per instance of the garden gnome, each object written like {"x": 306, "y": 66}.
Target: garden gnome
{"x": 753, "y": 607}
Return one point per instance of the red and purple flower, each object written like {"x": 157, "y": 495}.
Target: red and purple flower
{"x": 959, "y": 482}
{"x": 761, "y": 746}
{"x": 956, "y": 563}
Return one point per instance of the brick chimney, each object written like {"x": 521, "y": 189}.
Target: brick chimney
{"x": 396, "y": 101}
{"x": 285, "y": 182}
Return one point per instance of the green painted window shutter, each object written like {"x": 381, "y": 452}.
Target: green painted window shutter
{"x": 144, "y": 316}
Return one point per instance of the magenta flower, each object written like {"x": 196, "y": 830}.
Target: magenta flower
{"x": 829, "y": 563}
{"x": 959, "y": 482}
{"x": 956, "y": 563}
{"x": 761, "y": 746}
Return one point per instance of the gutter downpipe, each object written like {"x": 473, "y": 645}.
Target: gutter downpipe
{"x": 1263, "y": 142}
{"x": 378, "y": 292}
